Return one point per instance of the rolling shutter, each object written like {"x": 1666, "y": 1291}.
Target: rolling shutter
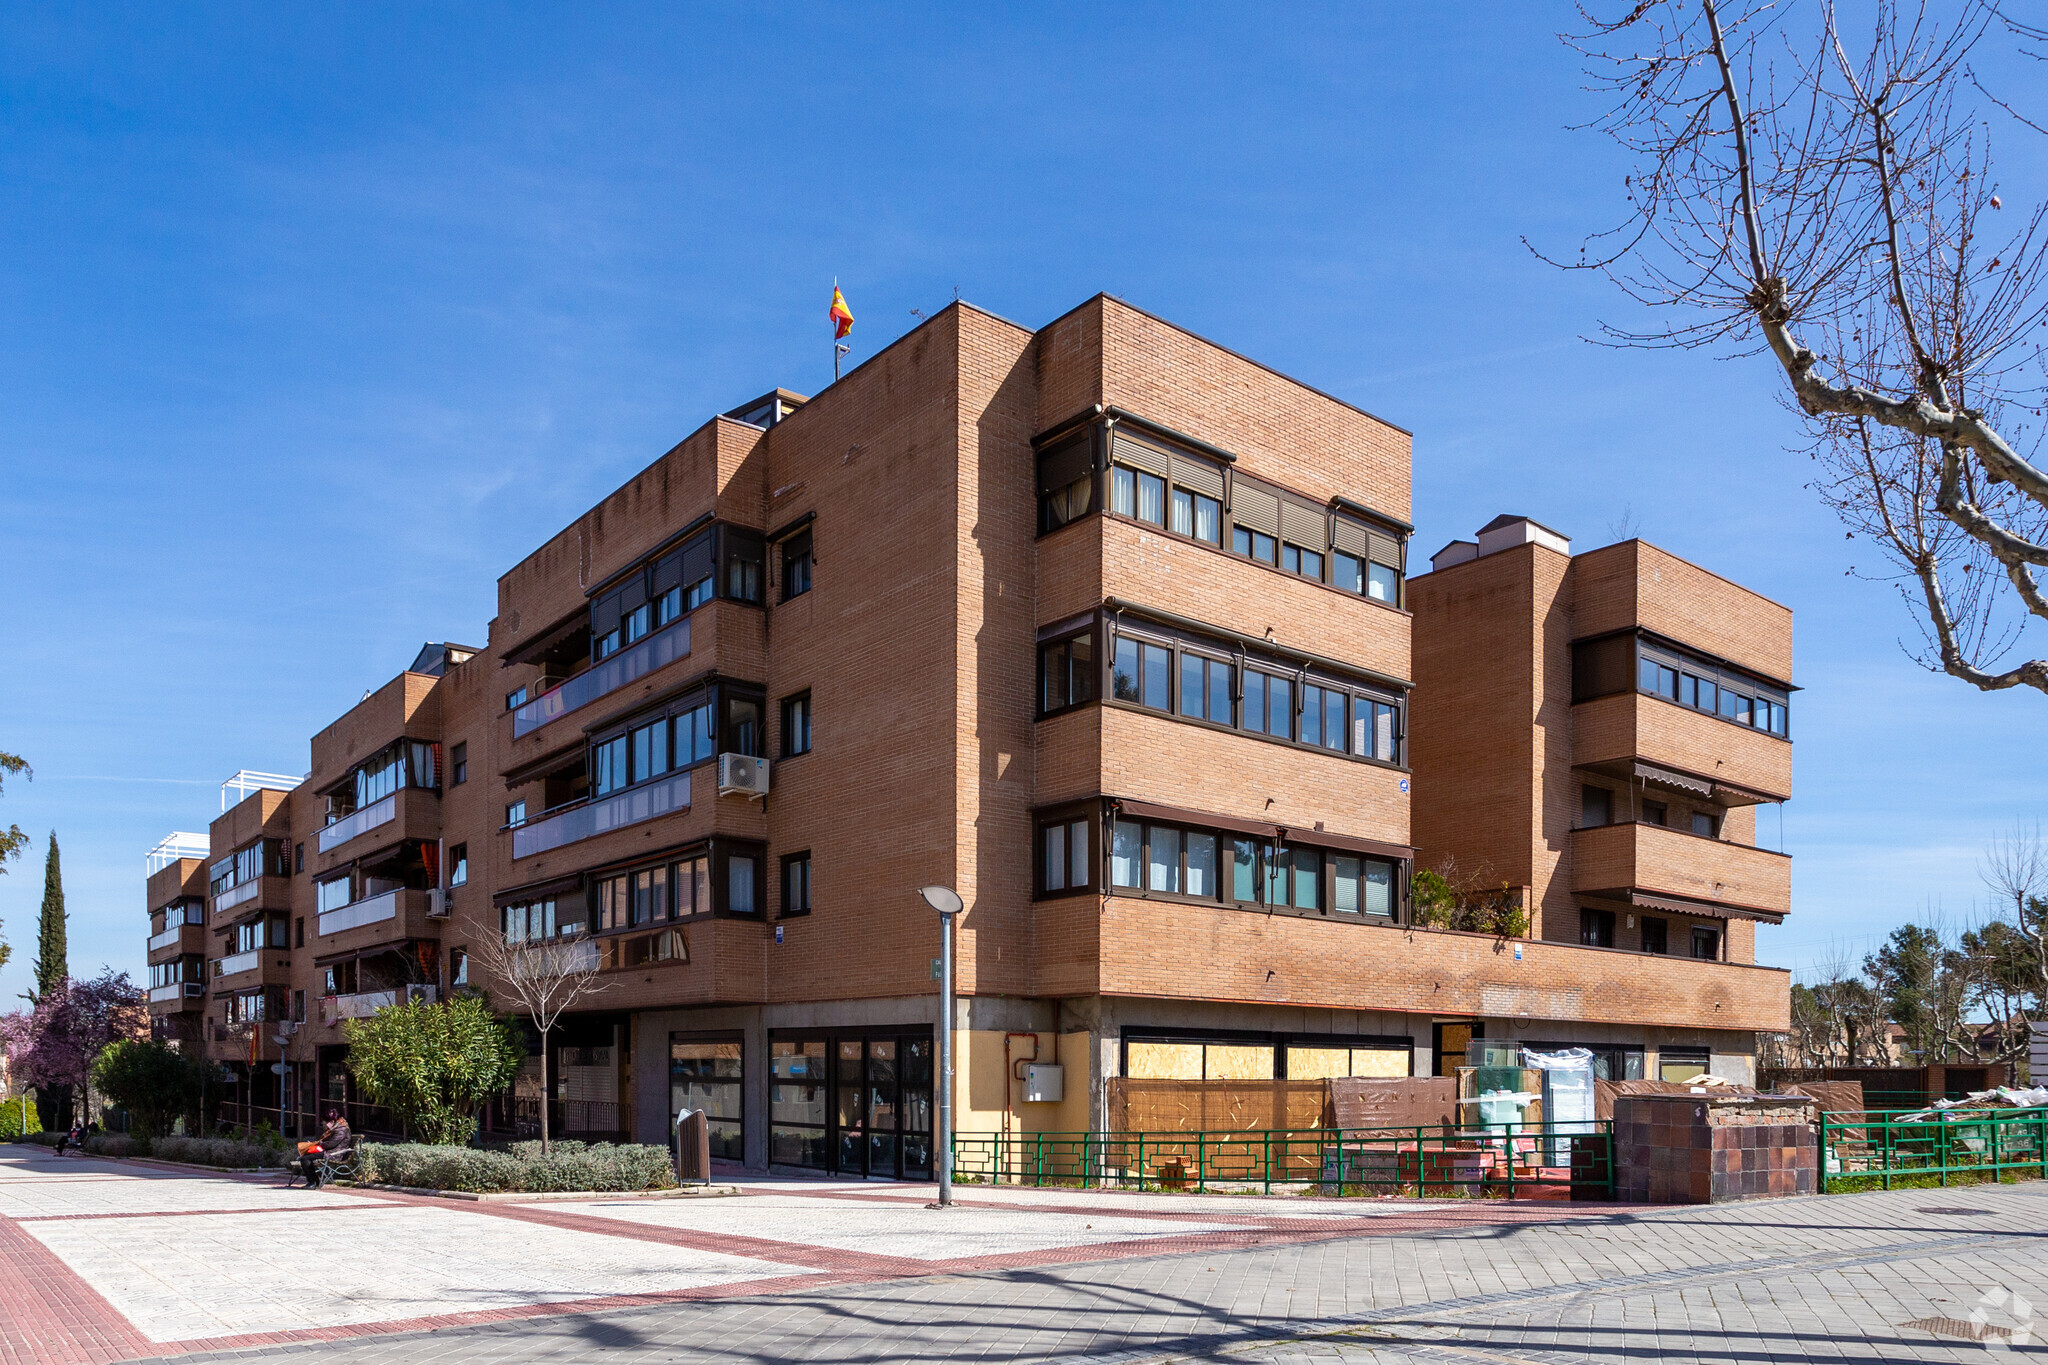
{"x": 697, "y": 560}
{"x": 633, "y": 594}
{"x": 1352, "y": 537}
{"x": 1254, "y": 507}
{"x": 1304, "y": 526}
{"x": 604, "y": 615}
{"x": 668, "y": 573}
{"x": 1198, "y": 476}
{"x": 1385, "y": 550}
{"x": 1139, "y": 455}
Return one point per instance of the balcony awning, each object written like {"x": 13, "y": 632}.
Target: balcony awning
{"x": 546, "y": 638}
{"x": 1313, "y": 838}
{"x": 554, "y": 886}
{"x": 1685, "y": 905}
{"x": 402, "y": 946}
{"x": 1675, "y": 780}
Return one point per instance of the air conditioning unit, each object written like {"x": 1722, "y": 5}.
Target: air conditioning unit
{"x": 439, "y": 901}
{"x": 743, "y": 775}
{"x": 425, "y": 995}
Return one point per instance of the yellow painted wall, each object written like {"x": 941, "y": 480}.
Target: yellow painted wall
{"x": 983, "y": 1104}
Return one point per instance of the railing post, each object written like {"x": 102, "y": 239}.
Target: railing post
{"x": 1269, "y": 1160}
{"x": 1201, "y": 1161}
{"x": 2041, "y": 1142}
{"x": 1141, "y": 1159}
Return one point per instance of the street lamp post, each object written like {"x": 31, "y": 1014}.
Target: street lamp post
{"x": 947, "y": 902}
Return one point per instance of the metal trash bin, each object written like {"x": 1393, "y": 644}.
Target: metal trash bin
{"x": 693, "y": 1148}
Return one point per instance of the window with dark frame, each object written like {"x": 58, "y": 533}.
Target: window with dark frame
{"x": 1154, "y": 858}
{"x": 1596, "y": 928}
{"x": 796, "y": 725}
{"x": 1066, "y": 481}
{"x": 458, "y": 763}
{"x": 796, "y": 884}
{"x": 1706, "y": 943}
{"x": 796, "y": 565}
{"x": 742, "y": 882}
{"x": 1701, "y": 684}
{"x": 458, "y": 864}
{"x": 1596, "y": 807}
{"x": 1066, "y": 672}
{"x": 1064, "y": 863}
{"x": 1656, "y": 935}
{"x": 1140, "y": 673}
{"x": 1656, "y": 813}
{"x": 1706, "y": 824}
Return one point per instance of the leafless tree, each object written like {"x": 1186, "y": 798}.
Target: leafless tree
{"x": 2015, "y": 868}
{"x": 544, "y": 977}
{"x": 1828, "y": 196}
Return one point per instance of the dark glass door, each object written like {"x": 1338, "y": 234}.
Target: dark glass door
{"x": 877, "y": 1120}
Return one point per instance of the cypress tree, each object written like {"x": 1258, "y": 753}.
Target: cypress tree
{"x": 53, "y": 959}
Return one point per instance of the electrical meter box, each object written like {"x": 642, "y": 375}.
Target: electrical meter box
{"x": 1044, "y": 1082}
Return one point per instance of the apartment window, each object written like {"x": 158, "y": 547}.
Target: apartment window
{"x": 1656, "y": 813}
{"x": 796, "y": 884}
{"x": 1307, "y": 563}
{"x": 298, "y": 1007}
{"x": 683, "y": 579}
{"x": 332, "y": 895}
{"x": 1063, "y": 856}
{"x": 1126, "y": 853}
{"x": 1596, "y": 807}
{"x": 650, "y": 895}
{"x": 1322, "y": 717}
{"x": 1268, "y": 704}
{"x": 533, "y": 922}
{"x": 796, "y": 725}
{"x": 1162, "y": 862}
{"x": 515, "y": 699}
{"x": 458, "y": 764}
{"x": 691, "y": 882}
{"x": 1361, "y": 886}
{"x": 1066, "y": 673}
{"x": 1136, "y": 493}
{"x": 299, "y": 932}
{"x": 1706, "y": 825}
{"x": 515, "y": 814}
{"x": 1255, "y": 544}
{"x": 340, "y": 979}
{"x": 1307, "y": 866}
{"x": 1656, "y": 935}
{"x": 298, "y": 859}
{"x": 1706, "y": 943}
{"x": 1657, "y": 678}
{"x": 1066, "y": 481}
{"x": 650, "y": 750}
{"x": 1383, "y": 583}
{"x": 608, "y": 766}
{"x": 742, "y": 883}
{"x": 458, "y": 865}
{"x": 743, "y": 726}
{"x": 1198, "y": 516}
{"x": 1375, "y": 730}
{"x": 1205, "y": 688}
{"x": 743, "y": 551}
{"x": 1140, "y": 673}
{"x": 458, "y": 968}
{"x": 796, "y": 565}
{"x": 693, "y": 735}
{"x": 1596, "y": 928}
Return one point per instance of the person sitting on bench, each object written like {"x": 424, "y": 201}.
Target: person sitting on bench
{"x": 335, "y": 1139}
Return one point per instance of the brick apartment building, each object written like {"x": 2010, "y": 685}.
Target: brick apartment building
{"x": 1102, "y": 625}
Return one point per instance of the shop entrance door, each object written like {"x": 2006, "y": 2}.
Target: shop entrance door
{"x": 878, "y": 1117}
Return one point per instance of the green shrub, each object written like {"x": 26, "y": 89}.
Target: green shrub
{"x": 43, "y": 1138}
{"x": 116, "y": 1144}
{"x": 152, "y": 1080}
{"x": 568, "y": 1168}
{"x": 10, "y": 1119}
{"x": 224, "y": 1152}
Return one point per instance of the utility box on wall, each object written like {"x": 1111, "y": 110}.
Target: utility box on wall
{"x": 1044, "y": 1082}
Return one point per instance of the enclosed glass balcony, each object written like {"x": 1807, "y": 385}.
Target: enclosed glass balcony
{"x": 663, "y": 647}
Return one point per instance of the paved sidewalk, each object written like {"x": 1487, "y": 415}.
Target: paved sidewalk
{"x": 140, "y": 1263}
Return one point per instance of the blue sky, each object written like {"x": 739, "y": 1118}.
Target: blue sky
{"x": 313, "y": 321}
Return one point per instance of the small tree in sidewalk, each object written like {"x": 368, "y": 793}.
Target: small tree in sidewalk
{"x": 543, "y": 978}
{"x": 433, "y": 1065}
{"x": 152, "y": 1080}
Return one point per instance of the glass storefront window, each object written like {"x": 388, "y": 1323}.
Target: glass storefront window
{"x": 709, "y": 1076}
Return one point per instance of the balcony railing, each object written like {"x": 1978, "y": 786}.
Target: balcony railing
{"x": 177, "y": 990}
{"x": 362, "y": 1005}
{"x": 665, "y": 646}
{"x": 368, "y": 818}
{"x": 356, "y": 914}
{"x": 168, "y": 938}
{"x": 602, "y": 815}
{"x": 237, "y": 895}
{"x": 238, "y": 962}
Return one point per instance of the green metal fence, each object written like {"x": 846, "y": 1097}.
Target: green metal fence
{"x": 1575, "y": 1161}
{"x": 1888, "y": 1145}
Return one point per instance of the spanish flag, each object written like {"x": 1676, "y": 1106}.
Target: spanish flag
{"x": 841, "y": 315}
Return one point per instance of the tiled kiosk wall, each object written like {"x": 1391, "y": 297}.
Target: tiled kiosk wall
{"x": 1714, "y": 1149}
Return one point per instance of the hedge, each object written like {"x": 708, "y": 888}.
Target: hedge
{"x": 116, "y": 1144}
{"x": 570, "y": 1167}
{"x": 10, "y": 1119}
{"x": 217, "y": 1152}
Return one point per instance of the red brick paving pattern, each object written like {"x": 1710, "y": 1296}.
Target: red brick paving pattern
{"x": 50, "y": 1316}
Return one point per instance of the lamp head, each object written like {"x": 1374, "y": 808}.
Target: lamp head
{"x": 943, "y": 899}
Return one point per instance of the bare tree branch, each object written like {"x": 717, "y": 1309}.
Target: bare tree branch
{"x": 544, "y": 977}
{"x": 1789, "y": 182}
